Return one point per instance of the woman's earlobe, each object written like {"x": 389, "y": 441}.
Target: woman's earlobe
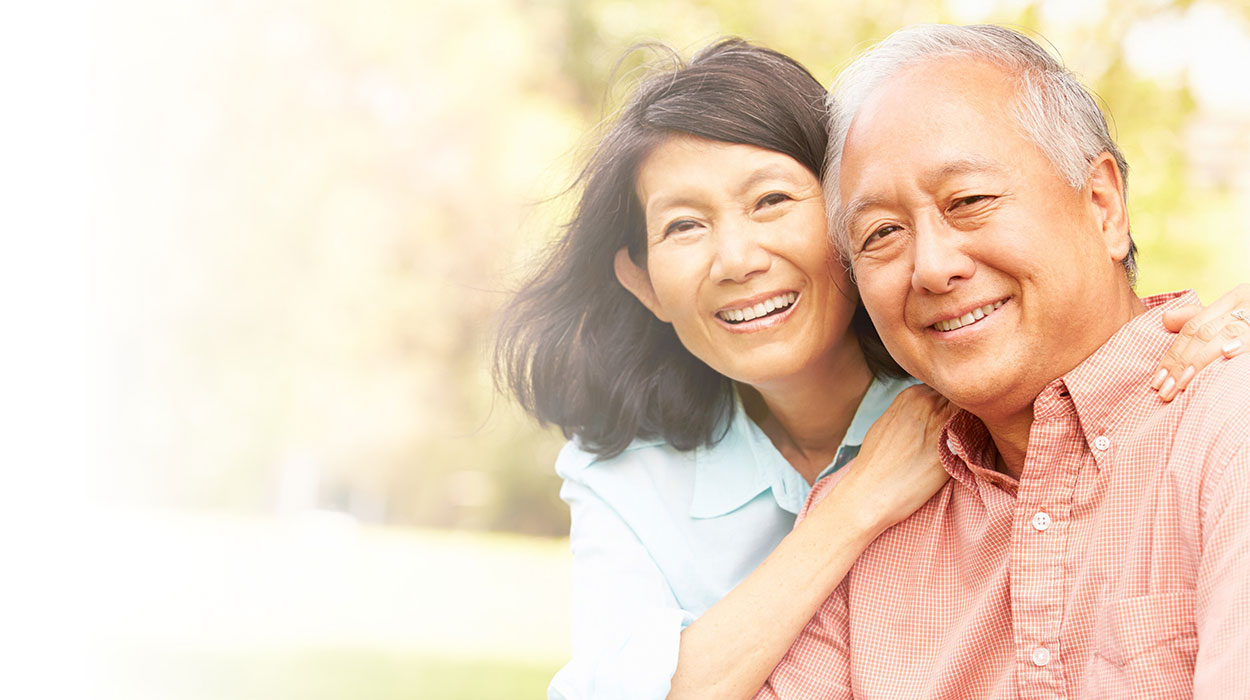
{"x": 638, "y": 282}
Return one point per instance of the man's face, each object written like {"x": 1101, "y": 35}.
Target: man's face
{"x": 986, "y": 273}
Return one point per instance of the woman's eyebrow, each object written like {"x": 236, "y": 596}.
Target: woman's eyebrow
{"x": 769, "y": 172}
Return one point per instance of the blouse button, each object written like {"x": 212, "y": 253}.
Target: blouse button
{"x": 1041, "y": 521}
{"x": 1102, "y": 442}
{"x": 1041, "y": 656}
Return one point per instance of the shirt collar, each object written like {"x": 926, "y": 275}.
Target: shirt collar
{"x": 745, "y": 462}
{"x": 1115, "y": 379}
{"x": 1103, "y": 387}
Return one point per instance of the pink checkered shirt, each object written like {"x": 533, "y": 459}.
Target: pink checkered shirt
{"x": 1117, "y": 567}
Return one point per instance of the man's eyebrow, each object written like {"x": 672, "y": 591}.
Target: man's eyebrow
{"x": 961, "y": 166}
{"x": 857, "y": 207}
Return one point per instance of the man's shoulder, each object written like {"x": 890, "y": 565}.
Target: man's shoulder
{"x": 1220, "y": 395}
{"x": 1212, "y": 416}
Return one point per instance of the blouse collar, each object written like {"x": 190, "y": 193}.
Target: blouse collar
{"x": 744, "y": 463}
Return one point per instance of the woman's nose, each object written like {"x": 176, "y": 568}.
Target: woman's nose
{"x": 738, "y": 253}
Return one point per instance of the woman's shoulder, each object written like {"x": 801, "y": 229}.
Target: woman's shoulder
{"x": 575, "y": 461}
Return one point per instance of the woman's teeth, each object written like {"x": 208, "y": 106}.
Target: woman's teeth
{"x": 768, "y": 306}
{"x": 970, "y": 317}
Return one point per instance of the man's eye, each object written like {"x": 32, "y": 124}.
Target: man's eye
{"x": 970, "y": 200}
{"x": 879, "y": 234}
{"x": 772, "y": 199}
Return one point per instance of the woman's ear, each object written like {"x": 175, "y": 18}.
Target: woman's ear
{"x": 638, "y": 282}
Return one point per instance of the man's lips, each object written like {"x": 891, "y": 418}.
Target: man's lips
{"x": 967, "y": 318}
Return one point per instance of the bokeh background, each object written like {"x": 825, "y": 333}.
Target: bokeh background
{"x": 298, "y": 218}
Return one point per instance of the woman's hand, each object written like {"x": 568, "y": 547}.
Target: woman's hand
{"x": 730, "y": 650}
{"x": 898, "y": 467}
{"x": 1206, "y": 334}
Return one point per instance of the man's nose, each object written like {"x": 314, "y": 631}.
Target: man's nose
{"x": 940, "y": 259}
{"x": 739, "y": 254}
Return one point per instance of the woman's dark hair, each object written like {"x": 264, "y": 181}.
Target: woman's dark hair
{"x": 578, "y": 350}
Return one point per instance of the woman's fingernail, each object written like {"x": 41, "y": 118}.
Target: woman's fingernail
{"x": 1167, "y": 387}
{"x": 1231, "y": 347}
{"x": 1154, "y": 383}
{"x": 1186, "y": 375}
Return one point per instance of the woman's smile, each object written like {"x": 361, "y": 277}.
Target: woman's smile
{"x": 757, "y": 314}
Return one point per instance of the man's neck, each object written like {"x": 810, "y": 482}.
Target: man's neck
{"x": 1009, "y": 428}
{"x": 1011, "y": 441}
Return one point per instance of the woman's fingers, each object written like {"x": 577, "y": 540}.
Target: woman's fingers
{"x": 1221, "y": 330}
{"x": 1175, "y": 319}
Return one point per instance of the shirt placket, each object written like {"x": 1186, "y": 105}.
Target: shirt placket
{"x": 1039, "y": 536}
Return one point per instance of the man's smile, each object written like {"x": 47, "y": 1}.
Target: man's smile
{"x": 968, "y": 318}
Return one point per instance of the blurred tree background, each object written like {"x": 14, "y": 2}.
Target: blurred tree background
{"x": 305, "y": 214}
{"x": 312, "y": 209}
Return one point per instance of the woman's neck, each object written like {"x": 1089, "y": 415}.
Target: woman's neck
{"x": 806, "y": 416}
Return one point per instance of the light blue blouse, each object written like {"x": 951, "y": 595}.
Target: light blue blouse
{"x": 658, "y": 536}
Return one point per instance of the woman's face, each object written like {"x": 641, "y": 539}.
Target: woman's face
{"x": 738, "y": 260}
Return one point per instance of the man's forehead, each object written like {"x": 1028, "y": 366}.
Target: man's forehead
{"x": 957, "y": 74}
{"x": 950, "y": 108}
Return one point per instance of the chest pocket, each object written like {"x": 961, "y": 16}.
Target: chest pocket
{"x": 1145, "y": 647}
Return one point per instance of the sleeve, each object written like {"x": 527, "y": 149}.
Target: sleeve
{"x": 817, "y": 664}
{"x": 626, "y": 621}
{"x": 817, "y": 667}
{"x": 1223, "y": 591}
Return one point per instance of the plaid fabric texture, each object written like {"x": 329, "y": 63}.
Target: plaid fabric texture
{"x": 1117, "y": 567}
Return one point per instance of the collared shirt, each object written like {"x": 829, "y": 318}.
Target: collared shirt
{"x": 1117, "y": 567}
{"x": 659, "y": 536}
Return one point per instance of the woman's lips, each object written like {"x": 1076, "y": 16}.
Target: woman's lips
{"x": 768, "y": 319}
{"x": 778, "y": 302}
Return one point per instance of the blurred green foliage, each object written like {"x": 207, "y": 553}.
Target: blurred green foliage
{"x": 333, "y": 674}
{"x": 312, "y": 210}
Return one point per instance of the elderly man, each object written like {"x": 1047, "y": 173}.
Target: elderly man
{"x": 1093, "y": 541}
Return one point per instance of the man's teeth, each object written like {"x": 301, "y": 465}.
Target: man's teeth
{"x": 763, "y": 308}
{"x": 970, "y": 317}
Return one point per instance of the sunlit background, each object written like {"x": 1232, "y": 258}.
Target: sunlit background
{"x": 291, "y": 223}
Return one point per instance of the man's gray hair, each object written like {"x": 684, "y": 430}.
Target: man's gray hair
{"x": 1052, "y": 108}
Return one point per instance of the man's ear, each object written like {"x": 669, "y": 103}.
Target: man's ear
{"x": 1106, "y": 191}
{"x": 638, "y": 282}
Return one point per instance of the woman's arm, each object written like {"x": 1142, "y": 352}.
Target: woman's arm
{"x": 1206, "y": 334}
{"x": 626, "y": 621}
{"x": 730, "y": 650}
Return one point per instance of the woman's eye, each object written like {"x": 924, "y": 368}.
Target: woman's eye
{"x": 680, "y": 226}
{"x": 770, "y": 200}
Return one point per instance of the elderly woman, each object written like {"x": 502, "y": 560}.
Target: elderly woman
{"x": 693, "y": 336}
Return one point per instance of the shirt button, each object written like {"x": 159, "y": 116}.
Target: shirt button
{"x": 1102, "y": 442}
{"x": 950, "y": 444}
{"x": 1041, "y": 656}
{"x": 1041, "y": 521}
